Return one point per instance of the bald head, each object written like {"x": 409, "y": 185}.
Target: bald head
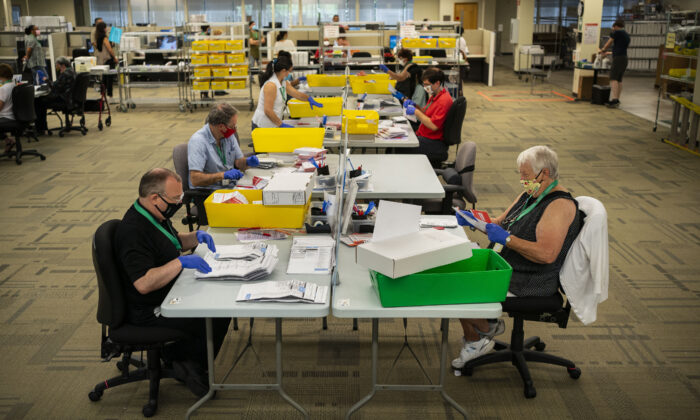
{"x": 153, "y": 181}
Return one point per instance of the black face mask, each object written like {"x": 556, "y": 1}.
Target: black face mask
{"x": 170, "y": 210}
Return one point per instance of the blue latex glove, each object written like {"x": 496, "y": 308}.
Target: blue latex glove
{"x": 302, "y": 79}
{"x": 463, "y": 219}
{"x": 496, "y": 233}
{"x": 325, "y": 120}
{"x": 252, "y": 161}
{"x": 204, "y": 237}
{"x": 286, "y": 126}
{"x": 410, "y": 110}
{"x": 233, "y": 174}
{"x": 384, "y": 68}
{"x": 196, "y": 262}
{"x": 313, "y": 103}
{"x": 408, "y": 102}
{"x": 398, "y": 95}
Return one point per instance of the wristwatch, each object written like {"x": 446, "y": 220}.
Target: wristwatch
{"x": 508, "y": 238}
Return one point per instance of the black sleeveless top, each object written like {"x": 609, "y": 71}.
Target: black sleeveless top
{"x": 530, "y": 278}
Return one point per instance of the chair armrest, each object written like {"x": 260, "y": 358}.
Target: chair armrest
{"x": 190, "y": 195}
{"x": 452, "y": 188}
{"x": 439, "y": 171}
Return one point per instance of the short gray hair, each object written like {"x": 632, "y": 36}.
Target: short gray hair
{"x": 221, "y": 114}
{"x": 153, "y": 181}
{"x": 64, "y": 61}
{"x": 540, "y": 157}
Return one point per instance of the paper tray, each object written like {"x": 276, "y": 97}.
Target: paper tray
{"x": 254, "y": 215}
{"x": 483, "y": 278}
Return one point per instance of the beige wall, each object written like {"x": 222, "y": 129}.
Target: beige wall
{"x": 426, "y": 9}
{"x": 52, "y": 8}
{"x": 505, "y": 11}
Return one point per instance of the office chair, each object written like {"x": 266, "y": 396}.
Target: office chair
{"x": 23, "y": 110}
{"x": 451, "y": 130}
{"x": 77, "y": 108}
{"x": 549, "y": 309}
{"x": 192, "y": 196}
{"x": 119, "y": 337}
{"x": 81, "y": 52}
{"x": 459, "y": 183}
{"x": 361, "y": 54}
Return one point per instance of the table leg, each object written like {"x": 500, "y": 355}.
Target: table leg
{"x": 375, "y": 352}
{"x": 443, "y": 367}
{"x": 210, "y": 365}
{"x": 278, "y": 365}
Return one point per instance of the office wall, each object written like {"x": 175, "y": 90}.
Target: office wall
{"x": 426, "y": 9}
{"x": 52, "y": 8}
{"x": 505, "y": 11}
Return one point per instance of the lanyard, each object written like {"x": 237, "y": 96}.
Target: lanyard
{"x": 533, "y": 205}
{"x": 150, "y": 218}
{"x": 220, "y": 152}
{"x": 283, "y": 91}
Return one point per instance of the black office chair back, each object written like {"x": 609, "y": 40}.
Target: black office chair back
{"x": 111, "y": 302}
{"x": 182, "y": 165}
{"x": 80, "y": 52}
{"x": 361, "y": 54}
{"x": 452, "y": 130}
{"x": 80, "y": 87}
{"x": 23, "y": 103}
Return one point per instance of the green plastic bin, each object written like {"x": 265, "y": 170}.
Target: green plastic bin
{"x": 483, "y": 278}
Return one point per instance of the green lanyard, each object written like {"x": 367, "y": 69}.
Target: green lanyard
{"x": 533, "y": 205}
{"x": 220, "y": 152}
{"x": 283, "y": 91}
{"x": 150, "y": 218}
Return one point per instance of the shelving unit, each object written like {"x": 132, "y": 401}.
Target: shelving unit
{"x": 645, "y": 38}
{"x": 230, "y": 73}
{"x": 129, "y": 75}
{"x": 301, "y": 66}
{"x": 348, "y": 60}
{"x": 682, "y": 31}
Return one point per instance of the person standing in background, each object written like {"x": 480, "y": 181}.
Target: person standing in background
{"x": 255, "y": 40}
{"x": 34, "y": 57}
{"x": 104, "y": 53}
{"x": 620, "y": 40}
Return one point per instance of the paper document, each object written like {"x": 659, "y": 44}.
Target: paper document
{"x": 238, "y": 252}
{"x": 240, "y": 269}
{"x": 287, "y": 291}
{"x": 395, "y": 219}
{"x": 435, "y": 222}
{"x": 478, "y": 219}
{"x": 311, "y": 254}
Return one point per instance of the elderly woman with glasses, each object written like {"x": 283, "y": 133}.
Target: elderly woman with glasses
{"x": 536, "y": 231}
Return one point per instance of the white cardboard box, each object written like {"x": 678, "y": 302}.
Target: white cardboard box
{"x": 412, "y": 253}
{"x": 289, "y": 189}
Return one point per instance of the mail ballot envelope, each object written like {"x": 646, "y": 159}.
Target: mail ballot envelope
{"x": 412, "y": 253}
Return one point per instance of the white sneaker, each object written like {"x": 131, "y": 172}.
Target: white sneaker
{"x": 472, "y": 350}
{"x": 497, "y": 327}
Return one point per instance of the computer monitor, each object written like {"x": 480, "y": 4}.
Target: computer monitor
{"x": 166, "y": 42}
{"x": 392, "y": 41}
{"x": 307, "y": 43}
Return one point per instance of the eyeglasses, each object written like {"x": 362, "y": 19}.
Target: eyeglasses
{"x": 170, "y": 199}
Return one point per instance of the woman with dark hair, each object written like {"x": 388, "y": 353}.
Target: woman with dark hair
{"x": 34, "y": 56}
{"x": 104, "y": 52}
{"x": 432, "y": 117}
{"x": 274, "y": 92}
{"x": 408, "y": 78}
{"x": 284, "y": 44}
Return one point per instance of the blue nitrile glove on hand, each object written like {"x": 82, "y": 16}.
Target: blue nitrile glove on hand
{"x": 410, "y": 110}
{"x": 313, "y": 103}
{"x": 284, "y": 125}
{"x": 252, "y": 161}
{"x": 233, "y": 174}
{"x": 196, "y": 262}
{"x": 408, "y": 102}
{"x": 398, "y": 95}
{"x": 463, "y": 219}
{"x": 384, "y": 68}
{"x": 496, "y": 233}
{"x": 204, "y": 237}
{"x": 302, "y": 79}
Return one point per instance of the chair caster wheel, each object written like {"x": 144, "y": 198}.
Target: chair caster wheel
{"x": 42, "y": 157}
{"x": 530, "y": 391}
{"x": 149, "y": 410}
{"x": 50, "y": 133}
{"x": 467, "y": 371}
{"x": 540, "y": 346}
{"x": 95, "y": 395}
{"x": 108, "y": 121}
{"x": 61, "y": 134}
{"x": 575, "y": 373}
{"x": 132, "y": 105}
{"x": 19, "y": 162}
{"x": 83, "y": 132}
{"x": 99, "y": 126}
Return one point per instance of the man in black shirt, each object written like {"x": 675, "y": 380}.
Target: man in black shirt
{"x": 148, "y": 249}
{"x": 620, "y": 40}
{"x": 60, "y": 96}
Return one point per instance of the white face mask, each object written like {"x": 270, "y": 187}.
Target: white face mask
{"x": 326, "y": 43}
{"x": 402, "y": 62}
{"x": 428, "y": 89}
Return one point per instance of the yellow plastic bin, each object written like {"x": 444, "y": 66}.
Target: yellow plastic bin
{"x": 217, "y": 45}
{"x": 360, "y": 122}
{"x": 235, "y": 58}
{"x": 236, "y": 84}
{"x": 325, "y": 80}
{"x": 447, "y": 42}
{"x": 219, "y": 84}
{"x": 219, "y": 72}
{"x": 233, "y": 45}
{"x": 362, "y": 85}
{"x": 202, "y": 72}
{"x": 200, "y": 45}
{"x": 200, "y": 59}
{"x": 239, "y": 71}
{"x": 418, "y": 43}
{"x": 254, "y": 215}
{"x": 422, "y": 58}
{"x": 300, "y": 109}
{"x": 217, "y": 59}
{"x": 285, "y": 140}
{"x": 200, "y": 84}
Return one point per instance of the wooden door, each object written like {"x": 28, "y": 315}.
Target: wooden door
{"x": 468, "y": 14}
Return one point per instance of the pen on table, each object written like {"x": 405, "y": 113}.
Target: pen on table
{"x": 351, "y": 165}
{"x": 313, "y": 162}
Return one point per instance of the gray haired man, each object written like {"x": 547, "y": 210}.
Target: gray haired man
{"x": 61, "y": 95}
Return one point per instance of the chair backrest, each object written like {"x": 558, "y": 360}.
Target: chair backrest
{"x": 81, "y": 52}
{"x": 464, "y": 164}
{"x": 111, "y": 304}
{"x": 181, "y": 164}
{"x": 23, "y": 103}
{"x": 80, "y": 87}
{"x": 452, "y": 130}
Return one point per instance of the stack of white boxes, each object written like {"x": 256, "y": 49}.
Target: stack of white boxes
{"x": 130, "y": 43}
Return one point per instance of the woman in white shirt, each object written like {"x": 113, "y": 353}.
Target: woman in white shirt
{"x": 6, "y": 113}
{"x": 284, "y": 44}
{"x": 274, "y": 92}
